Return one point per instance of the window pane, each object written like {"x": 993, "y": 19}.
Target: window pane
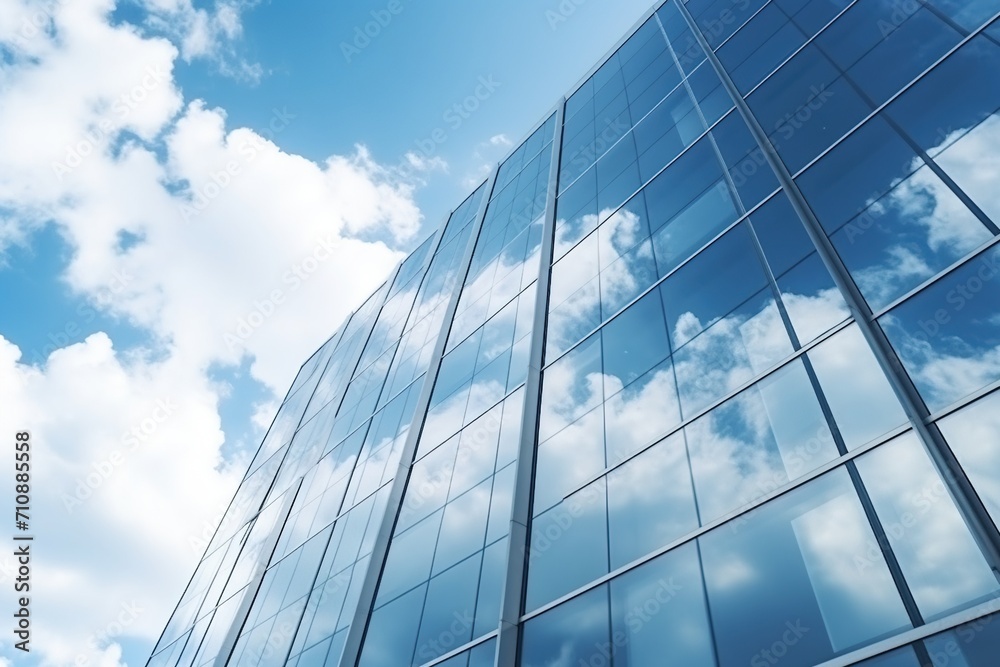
{"x": 634, "y": 342}
{"x": 966, "y": 432}
{"x": 569, "y": 546}
{"x": 409, "y": 559}
{"x": 860, "y": 397}
{"x": 449, "y": 610}
{"x": 570, "y": 634}
{"x": 948, "y": 336}
{"x": 650, "y": 501}
{"x": 758, "y": 441}
{"x": 658, "y": 613}
{"x": 463, "y": 528}
{"x": 568, "y": 459}
{"x": 782, "y": 582}
{"x": 572, "y": 386}
{"x": 392, "y": 632}
{"x": 942, "y": 564}
{"x": 641, "y": 413}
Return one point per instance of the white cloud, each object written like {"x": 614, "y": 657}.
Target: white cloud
{"x": 126, "y": 466}
{"x": 243, "y": 249}
{"x": 209, "y": 34}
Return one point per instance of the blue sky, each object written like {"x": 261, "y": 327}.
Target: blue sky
{"x": 165, "y": 167}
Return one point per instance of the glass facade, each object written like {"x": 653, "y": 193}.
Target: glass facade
{"x": 706, "y": 373}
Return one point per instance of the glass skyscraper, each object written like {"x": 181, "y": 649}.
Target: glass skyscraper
{"x": 705, "y": 374}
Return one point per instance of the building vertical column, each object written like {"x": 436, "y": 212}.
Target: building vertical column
{"x": 359, "y": 624}
{"x": 519, "y": 543}
{"x": 246, "y": 604}
{"x": 233, "y": 634}
{"x": 972, "y": 508}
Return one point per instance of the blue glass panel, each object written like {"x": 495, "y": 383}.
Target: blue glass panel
{"x": 947, "y": 336}
{"x": 658, "y": 613}
{"x": 782, "y": 583}
{"x": 449, "y": 610}
{"x": 650, "y": 501}
{"x": 569, "y": 546}
{"x": 966, "y": 431}
{"x": 943, "y": 566}
{"x": 757, "y": 441}
{"x": 392, "y": 631}
{"x": 572, "y": 633}
{"x": 860, "y": 397}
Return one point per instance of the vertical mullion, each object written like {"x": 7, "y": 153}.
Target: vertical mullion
{"x": 968, "y": 502}
{"x": 246, "y": 604}
{"x": 435, "y": 244}
{"x": 518, "y": 545}
{"x": 359, "y": 624}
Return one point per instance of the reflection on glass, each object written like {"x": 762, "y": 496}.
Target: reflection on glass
{"x": 410, "y": 557}
{"x": 944, "y": 568}
{"x": 392, "y": 631}
{"x": 450, "y": 595}
{"x": 569, "y": 546}
{"x": 650, "y": 501}
{"x": 975, "y": 644}
{"x": 786, "y": 576}
{"x": 571, "y": 634}
{"x": 658, "y": 613}
{"x": 640, "y": 413}
{"x": 568, "y": 459}
{"x": 860, "y": 397}
{"x": 967, "y": 431}
{"x": 948, "y": 335}
{"x": 572, "y": 386}
{"x": 757, "y": 441}
{"x": 917, "y": 229}
{"x": 952, "y": 114}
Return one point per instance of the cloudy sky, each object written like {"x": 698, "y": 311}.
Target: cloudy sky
{"x": 172, "y": 171}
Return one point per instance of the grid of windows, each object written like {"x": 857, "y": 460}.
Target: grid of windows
{"x": 707, "y": 373}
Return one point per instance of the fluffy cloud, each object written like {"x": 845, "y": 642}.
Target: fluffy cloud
{"x": 236, "y": 250}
